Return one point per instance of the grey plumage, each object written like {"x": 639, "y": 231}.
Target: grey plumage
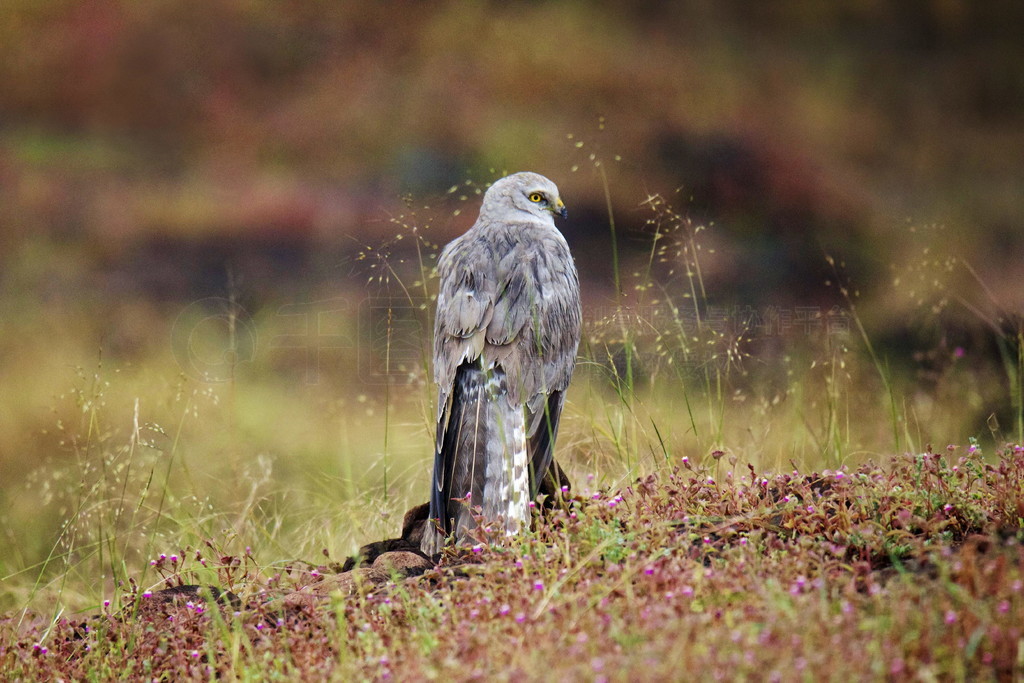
{"x": 505, "y": 339}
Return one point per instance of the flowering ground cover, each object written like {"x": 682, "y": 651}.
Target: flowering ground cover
{"x": 907, "y": 568}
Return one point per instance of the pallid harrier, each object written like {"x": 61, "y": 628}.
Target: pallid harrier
{"x": 505, "y": 340}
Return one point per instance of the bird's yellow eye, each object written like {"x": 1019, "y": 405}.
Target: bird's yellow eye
{"x": 536, "y": 197}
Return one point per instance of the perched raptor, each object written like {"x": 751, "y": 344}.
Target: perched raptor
{"x": 505, "y": 340}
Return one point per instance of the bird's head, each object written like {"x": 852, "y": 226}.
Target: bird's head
{"x": 530, "y": 193}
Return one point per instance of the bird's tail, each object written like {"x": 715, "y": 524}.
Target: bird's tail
{"x": 481, "y": 461}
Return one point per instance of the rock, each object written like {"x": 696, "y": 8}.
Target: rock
{"x": 404, "y": 563}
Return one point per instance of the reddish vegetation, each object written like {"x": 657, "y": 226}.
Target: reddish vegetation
{"x": 910, "y": 568}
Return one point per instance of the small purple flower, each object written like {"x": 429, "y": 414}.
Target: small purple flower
{"x": 531, "y": 504}
{"x": 810, "y": 508}
{"x": 649, "y": 571}
{"x": 174, "y": 558}
{"x": 972, "y": 449}
{"x": 947, "y": 508}
{"x": 147, "y": 594}
{"x": 1004, "y": 606}
{"x": 520, "y": 618}
{"x": 478, "y": 548}
{"x": 504, "y": 610}
{"x": 195, "y": 654}
{"x": 685, "y": 460}
{"x": 743, "y": 541}
{"x": 538, "y": 585}
{"x": 959, "y": 352}
{"x": 106, "y": 603}
{"x": 950, "y": 617}
{"x": 565, "y": 489}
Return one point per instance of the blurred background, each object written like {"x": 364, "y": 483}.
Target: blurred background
{"x": 218, "y": 220}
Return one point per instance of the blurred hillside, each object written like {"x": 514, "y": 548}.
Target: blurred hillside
{"x": 162, "y": 138}
{"x": 153, "y": 154}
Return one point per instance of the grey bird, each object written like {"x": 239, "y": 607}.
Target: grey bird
{"x": 505, "y": 340}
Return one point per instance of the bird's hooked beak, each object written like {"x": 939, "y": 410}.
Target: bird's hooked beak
{"x": 559, "y": 208}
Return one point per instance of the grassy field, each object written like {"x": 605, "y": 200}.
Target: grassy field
{"x": 757, "y": 494}
{"x": 907, "y": 569}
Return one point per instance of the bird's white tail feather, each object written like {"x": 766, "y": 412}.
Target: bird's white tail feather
{"x": 507, "y": 486}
